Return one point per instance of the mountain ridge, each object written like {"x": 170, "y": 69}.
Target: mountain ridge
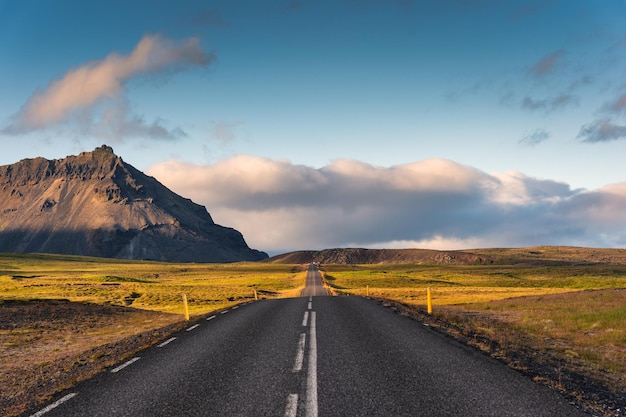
{"x": 96, "y": 204}
{"x": 534, "y": 255}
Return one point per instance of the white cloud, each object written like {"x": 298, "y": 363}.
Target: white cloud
{"x": 79, "y": 92}
{"x": 435, "y": 203}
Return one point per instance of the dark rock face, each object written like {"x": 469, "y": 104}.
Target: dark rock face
{"x": 97, "y": 205}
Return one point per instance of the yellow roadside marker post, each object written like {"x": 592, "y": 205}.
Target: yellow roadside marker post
{"x": 367, "y": 290}
{"x": 186, "y": 307}
{"x": 256, "y": 297}
{"x": 429, "y": 300}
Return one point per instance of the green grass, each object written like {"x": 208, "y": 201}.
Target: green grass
{"x": 147, "y": 285}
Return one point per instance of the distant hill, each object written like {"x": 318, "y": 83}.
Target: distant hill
{"x": 95, "y": 204}
{"x": 539, "y": 255}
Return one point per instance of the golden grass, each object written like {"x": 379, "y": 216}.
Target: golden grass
{"x": 461, "y": 284}
{"x": 146, "y": 285}
{"x": 590, "y": 325}
{"x": 453, "y": 296}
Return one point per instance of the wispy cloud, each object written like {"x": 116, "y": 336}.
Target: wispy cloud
{"x": 535, "y": 137}
{"x": 282, "y": 206}
{"x": 113, "y": 121}
{"x": 549, "y": 104}
{"x": 602, "y": 130}
{"x": 605, "y": 128}
{"x": 81, "y": 89}
{"x": 618, "y": 105}
{"x": 225, "y": 131}
{"x": 547, "y": 64}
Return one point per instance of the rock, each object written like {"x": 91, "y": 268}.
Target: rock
{"x": 95, "y": 204}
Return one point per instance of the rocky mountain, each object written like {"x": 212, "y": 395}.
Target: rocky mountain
{"x": 95, "y": 204}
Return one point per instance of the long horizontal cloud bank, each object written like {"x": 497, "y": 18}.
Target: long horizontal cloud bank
{"x": 434, "y": 203}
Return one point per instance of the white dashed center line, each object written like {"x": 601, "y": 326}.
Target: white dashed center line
{"x": 297, "y": 367}
{"x": 292, "y": 405}
{"x": 210, "y": 318}
{"x": 305, "y": 320}
{"x": 193, "y": 327}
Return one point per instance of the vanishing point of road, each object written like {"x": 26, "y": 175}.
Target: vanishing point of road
{"x": 304, "y": 357}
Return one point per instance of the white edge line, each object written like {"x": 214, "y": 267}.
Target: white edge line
{"x": 170, "y": 340}
{"x": 210, "y": 318}
{"x": 192, "y": 327}
{"x": 124, "y": 365}
{"x": 305, "y": 319}
{"x": 310, "y": 305}
{"x": 297, "y": 367}
{"x": 292, "y": 405}
{"x": 56, "y": 404}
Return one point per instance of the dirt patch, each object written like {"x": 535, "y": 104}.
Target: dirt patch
{"x": 597, "y": 391}
{"x": 49, "y": 345}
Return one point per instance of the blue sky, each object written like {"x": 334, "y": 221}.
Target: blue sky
{"x": 514, "y": 111}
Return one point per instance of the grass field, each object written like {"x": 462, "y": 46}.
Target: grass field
{"x": 146, "y": 285}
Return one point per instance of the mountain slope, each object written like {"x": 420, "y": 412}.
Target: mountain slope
{"x": 381, "y": 256}
{"x": 96, "y": 204}
{"x": 537, "y": 255}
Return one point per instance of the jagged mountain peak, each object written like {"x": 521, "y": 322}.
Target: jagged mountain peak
{"x": 101, "y": 162}
{"x": 96, "y": 204}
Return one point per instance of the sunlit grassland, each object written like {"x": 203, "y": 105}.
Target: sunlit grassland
{"x": 146, "y": 285}
{"x": 458, "y": 284}
{"x": 578, "y": 311}
{"x": 587, "y": 324}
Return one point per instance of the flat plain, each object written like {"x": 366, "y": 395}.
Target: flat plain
{"x": 64, "y": 318}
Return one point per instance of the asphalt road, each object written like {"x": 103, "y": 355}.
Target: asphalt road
{"x": 314, "y": 285}
{"x": 309, "y": 356}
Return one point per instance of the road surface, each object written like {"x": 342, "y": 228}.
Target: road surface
{"x": 314, "y": 286}
{"x": 309, "y": 356}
